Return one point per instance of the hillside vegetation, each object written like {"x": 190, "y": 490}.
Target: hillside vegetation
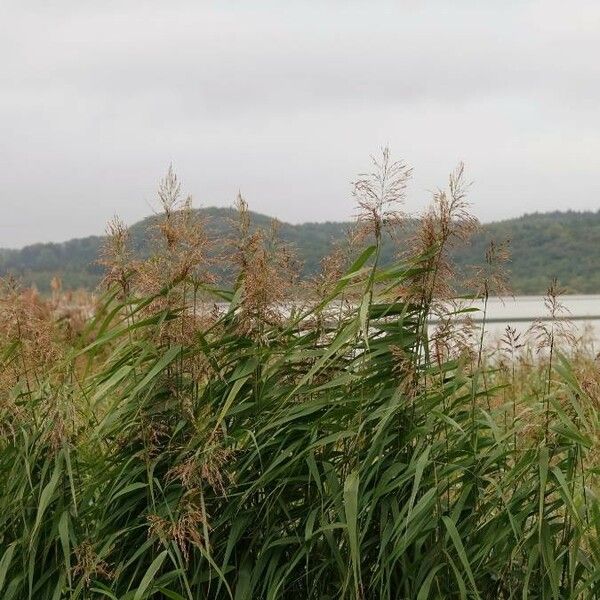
{"x": 543, "y": 246}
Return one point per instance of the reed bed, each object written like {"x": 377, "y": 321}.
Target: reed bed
{"x": 187, "y": 441}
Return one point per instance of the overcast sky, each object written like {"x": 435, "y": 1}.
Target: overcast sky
{"x": 286, "y": 101}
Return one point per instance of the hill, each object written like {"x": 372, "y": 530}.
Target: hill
{"x": 544, "y": 245}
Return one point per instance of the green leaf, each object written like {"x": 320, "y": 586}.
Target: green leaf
{"x": 351, "y": 511}
{"x": 5, "y": 562}
{"x": 462, "y": 555}
{"x": 148, "y": 577}
{"x": 47, "y": 494}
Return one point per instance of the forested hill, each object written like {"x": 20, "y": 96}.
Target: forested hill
{"x": 565, "y": 245}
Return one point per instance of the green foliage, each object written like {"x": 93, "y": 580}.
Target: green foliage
{"x": 322, "y": 455}
{"x": 543, "y": 246}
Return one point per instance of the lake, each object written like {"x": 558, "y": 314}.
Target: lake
{"x": 521, "y": 311}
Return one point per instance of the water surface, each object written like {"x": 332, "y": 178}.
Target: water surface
{"x": 520, "y": 312}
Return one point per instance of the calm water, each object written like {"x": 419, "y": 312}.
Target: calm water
{"x": 520, "y": 312}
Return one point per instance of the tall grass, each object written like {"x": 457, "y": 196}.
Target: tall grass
{"x": 193, "y": 442}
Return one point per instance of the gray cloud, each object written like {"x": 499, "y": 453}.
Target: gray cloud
{"x": 286, "y": 101}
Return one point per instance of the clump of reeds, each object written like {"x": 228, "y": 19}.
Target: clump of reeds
{"x": 211, "y": 443}
{"x": 266, "y": 273}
